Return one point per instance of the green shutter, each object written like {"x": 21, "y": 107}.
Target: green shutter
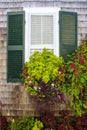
{"x": 68, "y": 33}
{"x": 15, "y": 46}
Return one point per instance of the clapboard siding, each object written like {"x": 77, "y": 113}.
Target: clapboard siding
{"x": 16, "y": 101}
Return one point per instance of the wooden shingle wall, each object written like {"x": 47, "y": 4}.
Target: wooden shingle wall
{"x": 13, "y": 96}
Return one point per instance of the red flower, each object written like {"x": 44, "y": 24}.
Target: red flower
{"x": 81, "y": 59}
{"x": 72, "y": 65}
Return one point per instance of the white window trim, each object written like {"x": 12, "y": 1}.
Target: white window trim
{"x": 41, "y": 11}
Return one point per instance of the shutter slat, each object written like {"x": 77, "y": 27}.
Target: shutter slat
{"x": 68, "y": 32}
{"x": 15, "y": 47}
{"x": 14, "y": 65}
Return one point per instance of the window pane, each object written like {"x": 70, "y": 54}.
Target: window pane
{"x": 41, "y": 29}
{"x": 47, "y": 29}
{"x": 35, "y": 29}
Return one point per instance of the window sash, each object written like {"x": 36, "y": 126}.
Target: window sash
{"x": 47, "y": 12}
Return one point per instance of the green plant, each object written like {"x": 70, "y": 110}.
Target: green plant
{"x": 24, "y": 123}
{"x": 38, "y": 125}
{"x": 76, "y": 79}
{"x": 43, "y": 74}
{"x": 48, "y": 76}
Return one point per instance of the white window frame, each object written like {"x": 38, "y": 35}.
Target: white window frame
{"x": 41, "y": 11}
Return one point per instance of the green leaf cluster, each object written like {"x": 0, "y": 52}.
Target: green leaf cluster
{"x": 38, "y": 125}
{"x": 76, "y": 79}
{"x": 44, "y": 65}
{"x": 26, "y": 123}
{"x": 41, "y": 67}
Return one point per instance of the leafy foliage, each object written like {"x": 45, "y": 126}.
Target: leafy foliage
{"x": 65, "y": 121}
{"x": 48, "y": 76}
{"x": 43, "y": 75}
{"x": 22, "y": 123}
{"x": 26, "y": 123}
{"x": 38, "y": 125}
{"x": 76, "y": 79}
{"x": 48, "y": 120}
{"x": 81, "y": 123}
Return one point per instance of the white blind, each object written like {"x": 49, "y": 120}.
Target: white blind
{"x": 41, "y": 29}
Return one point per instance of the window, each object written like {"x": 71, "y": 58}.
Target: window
{"x": 41, "y": 30}
{"x": 35, "y": 29}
